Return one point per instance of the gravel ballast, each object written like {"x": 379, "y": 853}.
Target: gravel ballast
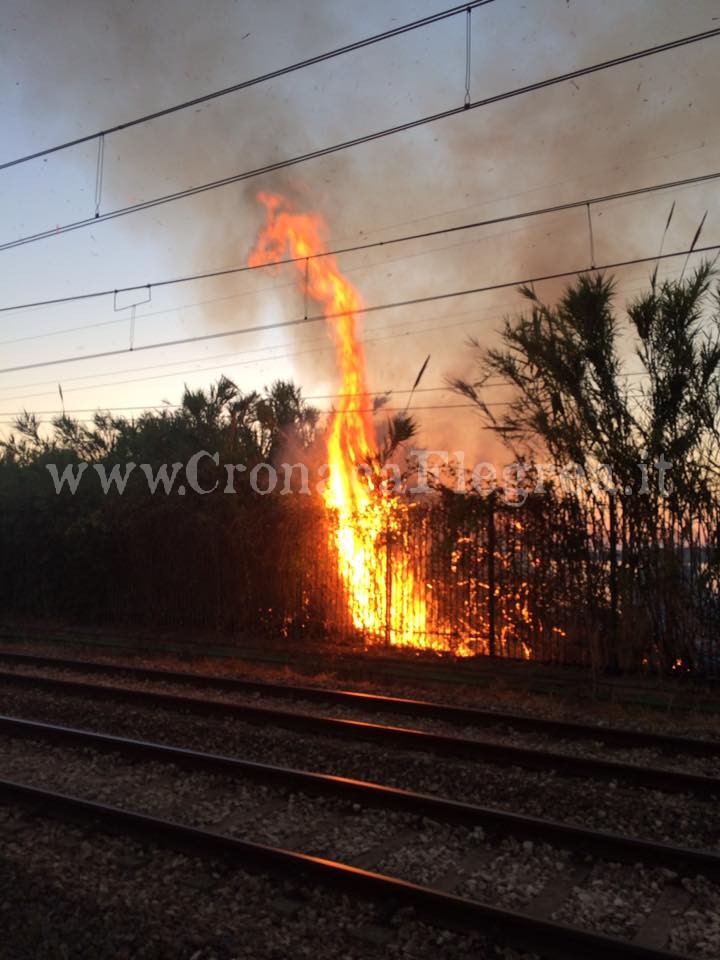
{"x": 501, "y": 734}
{"x": 70, "y": 893}
{"x": 609, "y": 898}
{"x": 614, "y": 899}
{"x": 647, "y": 814}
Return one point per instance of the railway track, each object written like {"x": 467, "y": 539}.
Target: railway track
{"x": 479, "y": 672}
{"x": 466, "y": 748}
{"x": 464, "y": 716}
{"x": 446, "y": 899}
{"x": 529, "y": 929}
{"x": 602, "y": 844}
{"x": 434, "y": 905}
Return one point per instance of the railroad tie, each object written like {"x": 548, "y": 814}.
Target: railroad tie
{"x": 669, "y": 907}
{"x": 557, "y": 890}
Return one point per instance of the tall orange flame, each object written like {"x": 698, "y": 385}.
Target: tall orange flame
{"x": 382, "y": 598}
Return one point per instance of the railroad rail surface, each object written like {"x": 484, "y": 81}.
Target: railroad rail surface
{"x": 476, "y": 748}
{"x": 455, "y": 862}
{"x": 602, "y": 844}
{"x": 528, "y": 930}
{"x": 465, "y": 716}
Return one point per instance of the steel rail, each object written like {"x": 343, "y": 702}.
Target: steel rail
{"x": 389, "y": 736}
{"x": 512, "y": 672}
{"x": 601, "y": 843}
{"x": 467, "y": 716}
{"x": 433, "y": 906}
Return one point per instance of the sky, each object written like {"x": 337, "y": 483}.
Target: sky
{"x": 75, "y": 68}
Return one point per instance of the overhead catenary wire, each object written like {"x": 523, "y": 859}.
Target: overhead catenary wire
{"x": 274, "y": 287}
{"x": 214, "y": 368}
{"x": 298, "y": 321}
{"x": 254, "y": 81}
{"x": 185, "y": 306}
{"x": 326, "y": 346}
{"x": 325, "y": 396}
{"x": 370, "y": 244}
{"x": 633, "y": 194}
{"x": 363, "y": 139}
{"x": 468, "y": 404}
{"x": 176, "y": 406}
{"x": 323, "y": 344}
{"x": 354, "y": 410}
{"x": 591, "y": 236}
{"x": 165, "y": 405}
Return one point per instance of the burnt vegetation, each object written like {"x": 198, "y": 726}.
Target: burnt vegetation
{"x": 596, "y": 567}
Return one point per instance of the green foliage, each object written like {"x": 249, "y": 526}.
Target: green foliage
{"x": 195, "y": 559}
{"x": 573, "y": 400}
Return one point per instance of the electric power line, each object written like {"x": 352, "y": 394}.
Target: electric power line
{"x": 285, "y": 285}
{"x": 254, "y": 81}
{"x": 382, "y": 409}
{"x": 326, "y": 347}
{"x": 413, "y": 301}
{"x": 177, "y": 406}
{"x": 370, "y": 245}
{"x": 378, "y": 394}
{"x": 364, "y": 139}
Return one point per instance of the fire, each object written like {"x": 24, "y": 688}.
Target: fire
{"x": 383, "y": 599}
